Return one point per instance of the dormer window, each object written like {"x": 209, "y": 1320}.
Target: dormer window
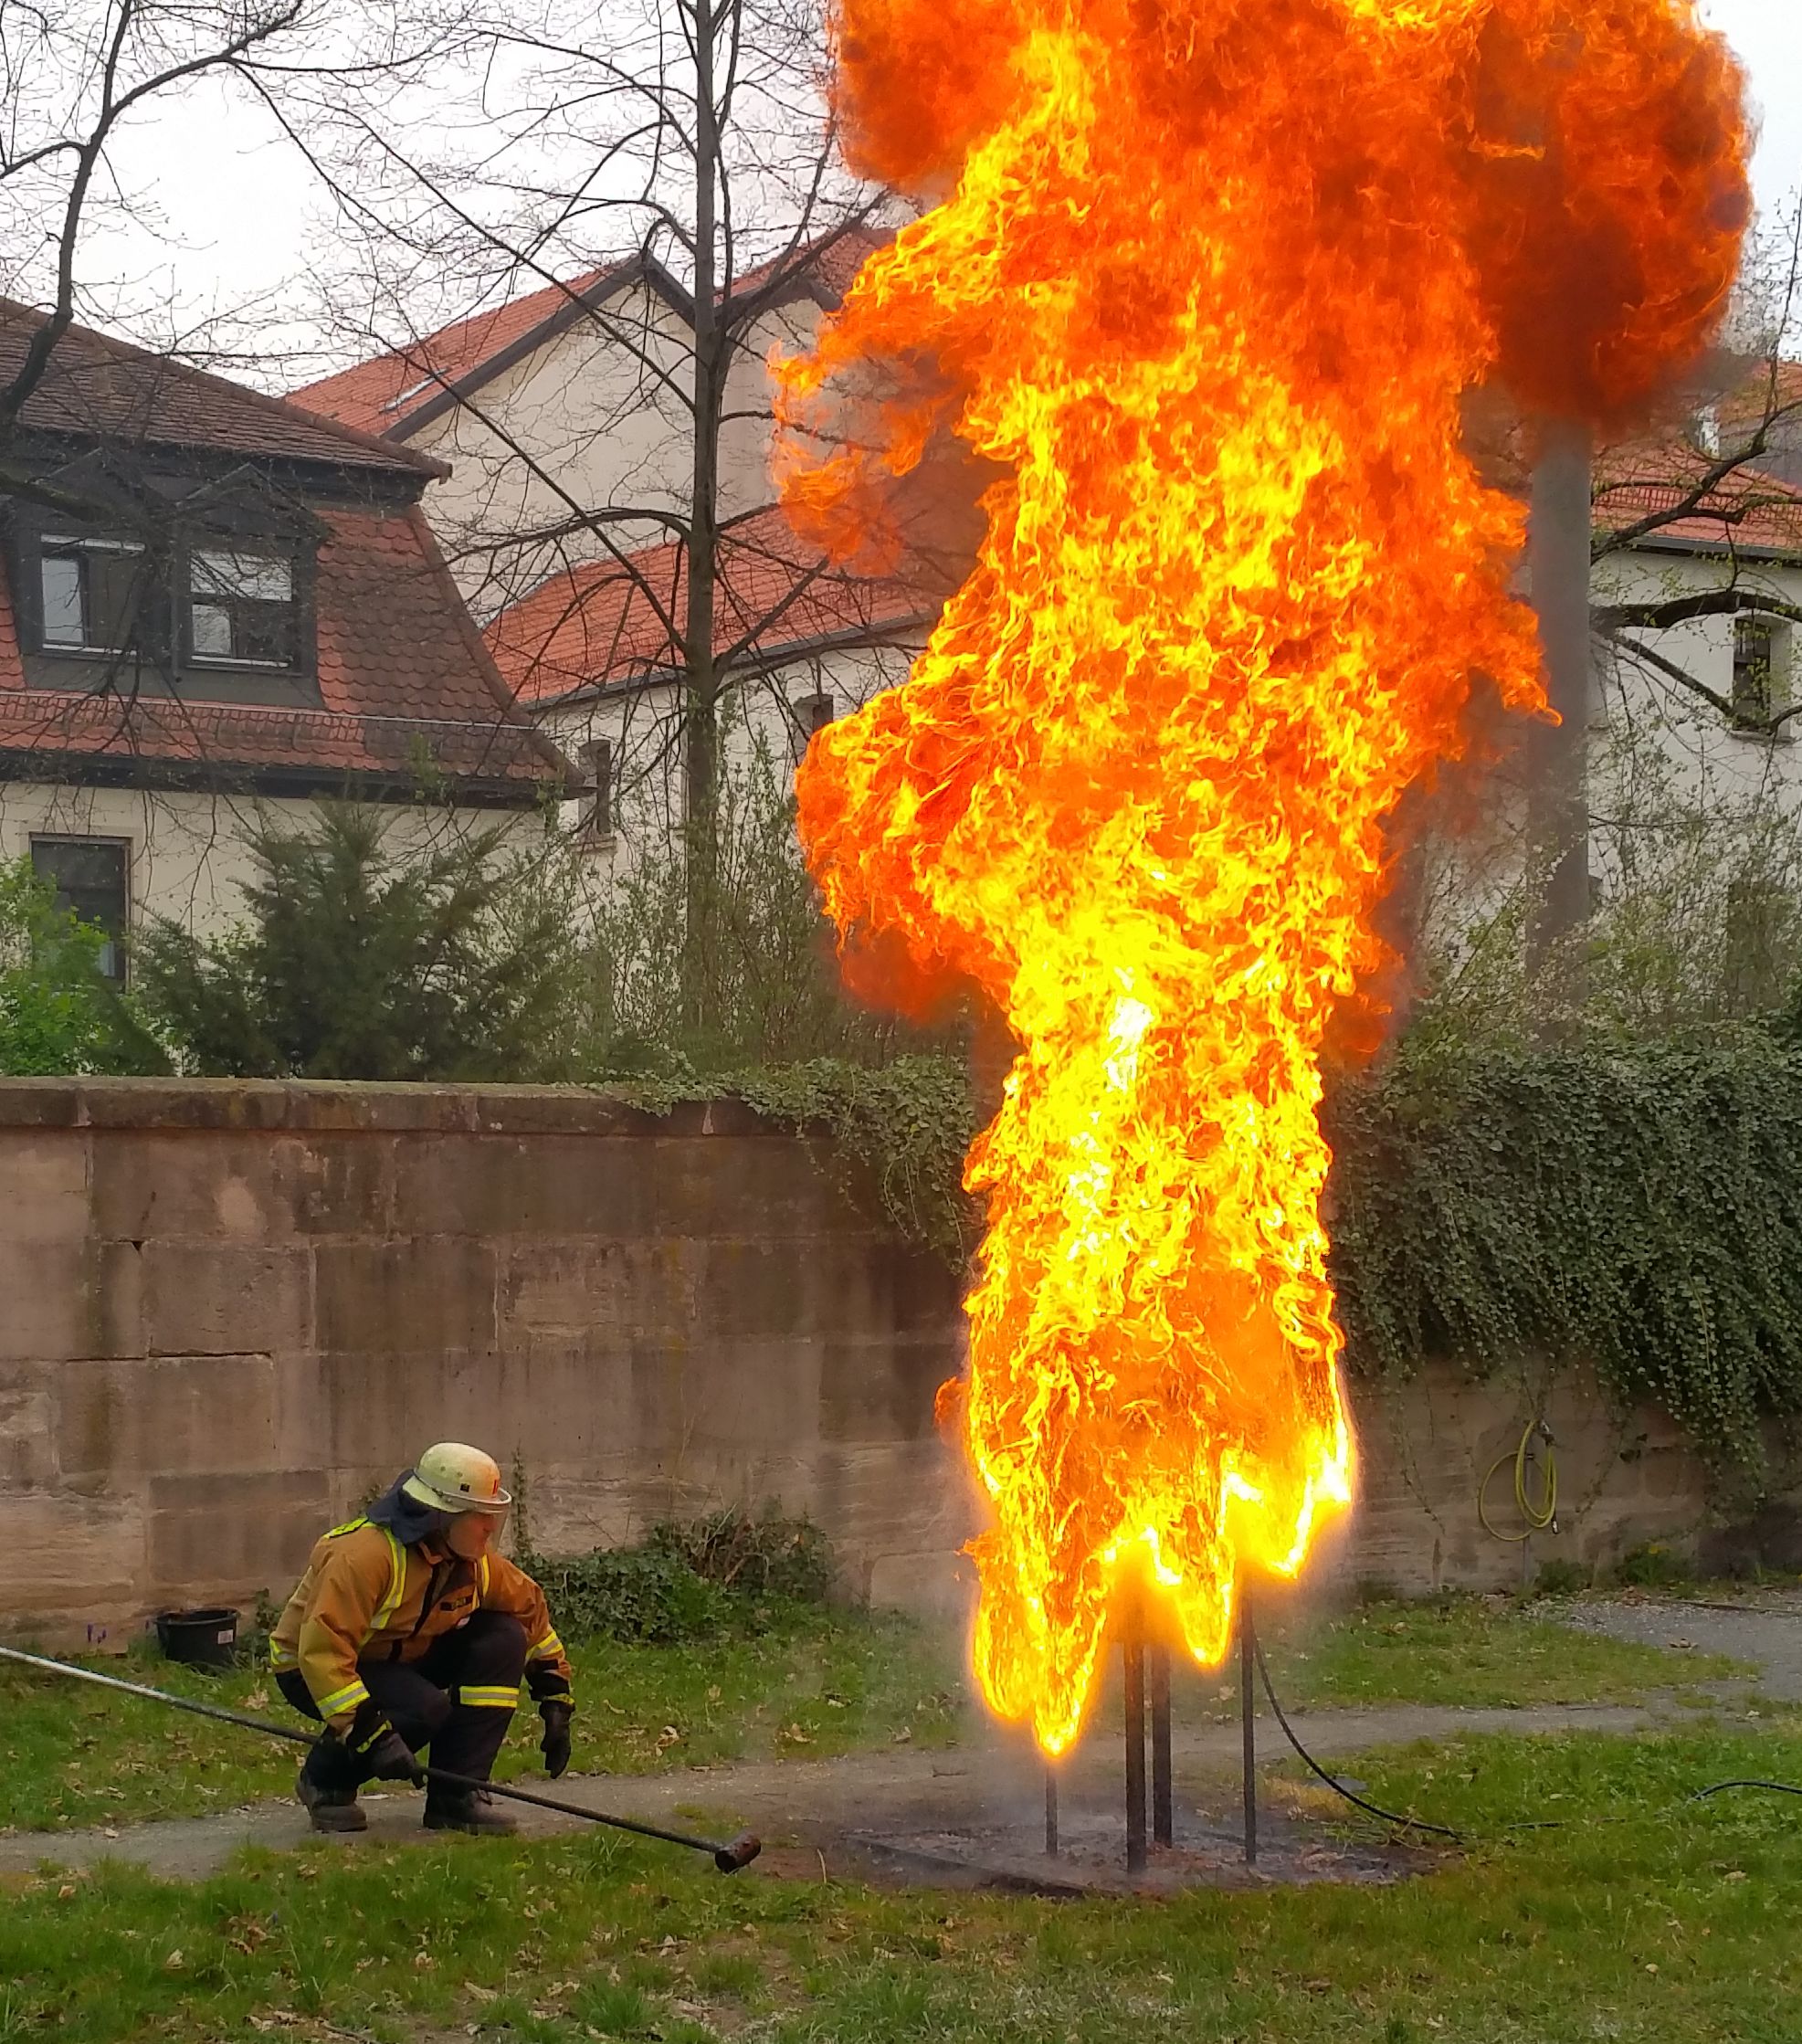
{"x": 219, "y": 615}
{"x": 94, "y": 592}
{"x": 241, "y": 608}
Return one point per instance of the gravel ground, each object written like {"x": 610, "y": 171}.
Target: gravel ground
{"x": 1764, "y": 1628}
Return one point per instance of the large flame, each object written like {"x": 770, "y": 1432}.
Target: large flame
{"x": 1209, "y": 284}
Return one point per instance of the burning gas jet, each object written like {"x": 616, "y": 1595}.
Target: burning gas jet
{"x": 1205, "y": 285}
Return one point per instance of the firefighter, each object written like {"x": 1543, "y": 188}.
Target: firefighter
{"x": 407, "y": 1632}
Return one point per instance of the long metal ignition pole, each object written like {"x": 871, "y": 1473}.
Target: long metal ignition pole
{"x": 728, "y": 1858}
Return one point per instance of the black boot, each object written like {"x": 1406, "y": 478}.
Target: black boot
{"x": 466, "y": 1809}
{"x": 331, "y": 1809}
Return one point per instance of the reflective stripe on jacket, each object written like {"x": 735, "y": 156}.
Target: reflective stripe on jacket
{"x": 365, "y": 1594}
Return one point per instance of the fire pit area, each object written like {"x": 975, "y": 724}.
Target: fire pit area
{"x": 1206, "y": 1852}
{"x": 1085, "y": 1844}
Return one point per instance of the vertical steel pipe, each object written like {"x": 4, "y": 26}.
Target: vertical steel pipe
{"x": 1248, "y": 1712}
{"x": 1133, "y": 1658}
{"x": 1157, "y": 1678}
{"x": 1050, "y": 1811}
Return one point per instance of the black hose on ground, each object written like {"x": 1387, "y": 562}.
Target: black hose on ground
{"x": 1338, "y": 1787}
{"x": 1443, "y": 1830}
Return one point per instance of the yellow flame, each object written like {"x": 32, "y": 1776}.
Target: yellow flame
{"x": 1209, "y": 286}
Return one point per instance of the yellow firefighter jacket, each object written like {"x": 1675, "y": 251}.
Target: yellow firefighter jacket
{"x": 366, "y": 1595}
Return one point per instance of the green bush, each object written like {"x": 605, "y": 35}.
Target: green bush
{"x": 59, "y": 1012}
{"x": 1654, "y": 1566}
{"x": 359, "y": 960}
{"x": 727, "y": 1573}
{"x": 1561, "y": 1578}
{"x": 767, "y": 1559}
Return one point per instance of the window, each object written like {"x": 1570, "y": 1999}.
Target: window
{"x": 92, "y": 880}
{"x": 1758, "y": 664}
{"x": 241, "y": 608}
{"x": 94, "y": 594}
{"x": 809, "y": 714}
{"x": 596, "y": 757}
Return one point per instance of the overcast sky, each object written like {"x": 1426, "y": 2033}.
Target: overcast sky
{"x": 243, "y": 220}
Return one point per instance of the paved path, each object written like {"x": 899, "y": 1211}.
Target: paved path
{"x": 1765, "y": 1627}
{"x": 805, "y": 1805}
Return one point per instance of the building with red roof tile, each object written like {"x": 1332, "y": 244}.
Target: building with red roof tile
{"x": 564, "y": 417}
{"x": 213, "y": 601}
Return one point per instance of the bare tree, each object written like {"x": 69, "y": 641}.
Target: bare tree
{"x": 682, "y": 147}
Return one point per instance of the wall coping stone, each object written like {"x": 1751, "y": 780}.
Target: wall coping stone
{"x": 324, "y": 1105}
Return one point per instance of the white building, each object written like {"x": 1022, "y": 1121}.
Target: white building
{"x": 215, "y": 609}
{"x": 567, "y": 402}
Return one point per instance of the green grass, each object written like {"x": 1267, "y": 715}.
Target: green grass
{"x": 1472, "y": 1652}
{"x": 818, "y": 1685}
{"x": 1646, "y": 1918}
{"x": 71, "y": 1755}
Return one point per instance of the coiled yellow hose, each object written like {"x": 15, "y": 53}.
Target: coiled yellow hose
{"x": 1535, "y": 1518}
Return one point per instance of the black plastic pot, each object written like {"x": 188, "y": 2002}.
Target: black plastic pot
{"x": 201, "y": 1639}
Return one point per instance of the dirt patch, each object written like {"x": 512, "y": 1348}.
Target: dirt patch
{"x": 1090, "y": 1858}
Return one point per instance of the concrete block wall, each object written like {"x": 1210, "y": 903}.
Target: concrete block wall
{"x": 228, "y": 1311}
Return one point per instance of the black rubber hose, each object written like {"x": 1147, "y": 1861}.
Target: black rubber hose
{"x": 1338, "y": 1787}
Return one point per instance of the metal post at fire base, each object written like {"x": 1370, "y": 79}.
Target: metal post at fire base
{"x": 1248, "y": 1711}
{"x": 1050, "y": 1811}
{"x": 1133, "y": 1658}
{"x": 1157, "y": 1674}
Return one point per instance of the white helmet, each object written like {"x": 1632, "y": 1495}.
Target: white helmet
{"x": 451, "y": 1478}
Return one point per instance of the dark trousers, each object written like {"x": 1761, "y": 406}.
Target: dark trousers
{"x": 424, "y": 1700}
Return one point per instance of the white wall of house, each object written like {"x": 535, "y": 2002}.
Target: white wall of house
{"x": 641, "y": 727}
{"x": 586, "y": 421}
{"x": 188, "y": 855}
{"x": 745, "y": 480}
{"x": 597, "y": 417}
{"x": 1711, "y": 763}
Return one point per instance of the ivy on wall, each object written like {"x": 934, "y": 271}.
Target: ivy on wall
{"x": 895, "y": 1134}
{"x": 902, "y": 1128}
{"x": 1637, "y": 1207}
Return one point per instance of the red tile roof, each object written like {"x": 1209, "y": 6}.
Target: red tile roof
{"x": 392, "y": 392}
{"x": 1749, "y": 509}
{"x": 95, "y": 387}
{"x": 598, "y": 625}
{"x": 404, "y": 679}
{"x": 831, "y": 263}
{"x": 384, "y": 393}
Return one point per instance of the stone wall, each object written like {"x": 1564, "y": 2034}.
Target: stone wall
{"x": 227, "y": 1311}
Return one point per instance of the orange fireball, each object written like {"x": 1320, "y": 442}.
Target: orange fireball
{"x": 1206, "y": 284}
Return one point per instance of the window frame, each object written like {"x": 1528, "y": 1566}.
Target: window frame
{"x": 299, "y": 611}
{"x": 170, "y": 666}
{"x": 809, "y": 715}
{"x": 1752, "y": 711}
{"x": 120, "y": 942}
{"x": 48, "y": 543}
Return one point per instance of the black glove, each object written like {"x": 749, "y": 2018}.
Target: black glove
{"x": 556, "y": 1711}
{"x": 388, "y": 1757}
